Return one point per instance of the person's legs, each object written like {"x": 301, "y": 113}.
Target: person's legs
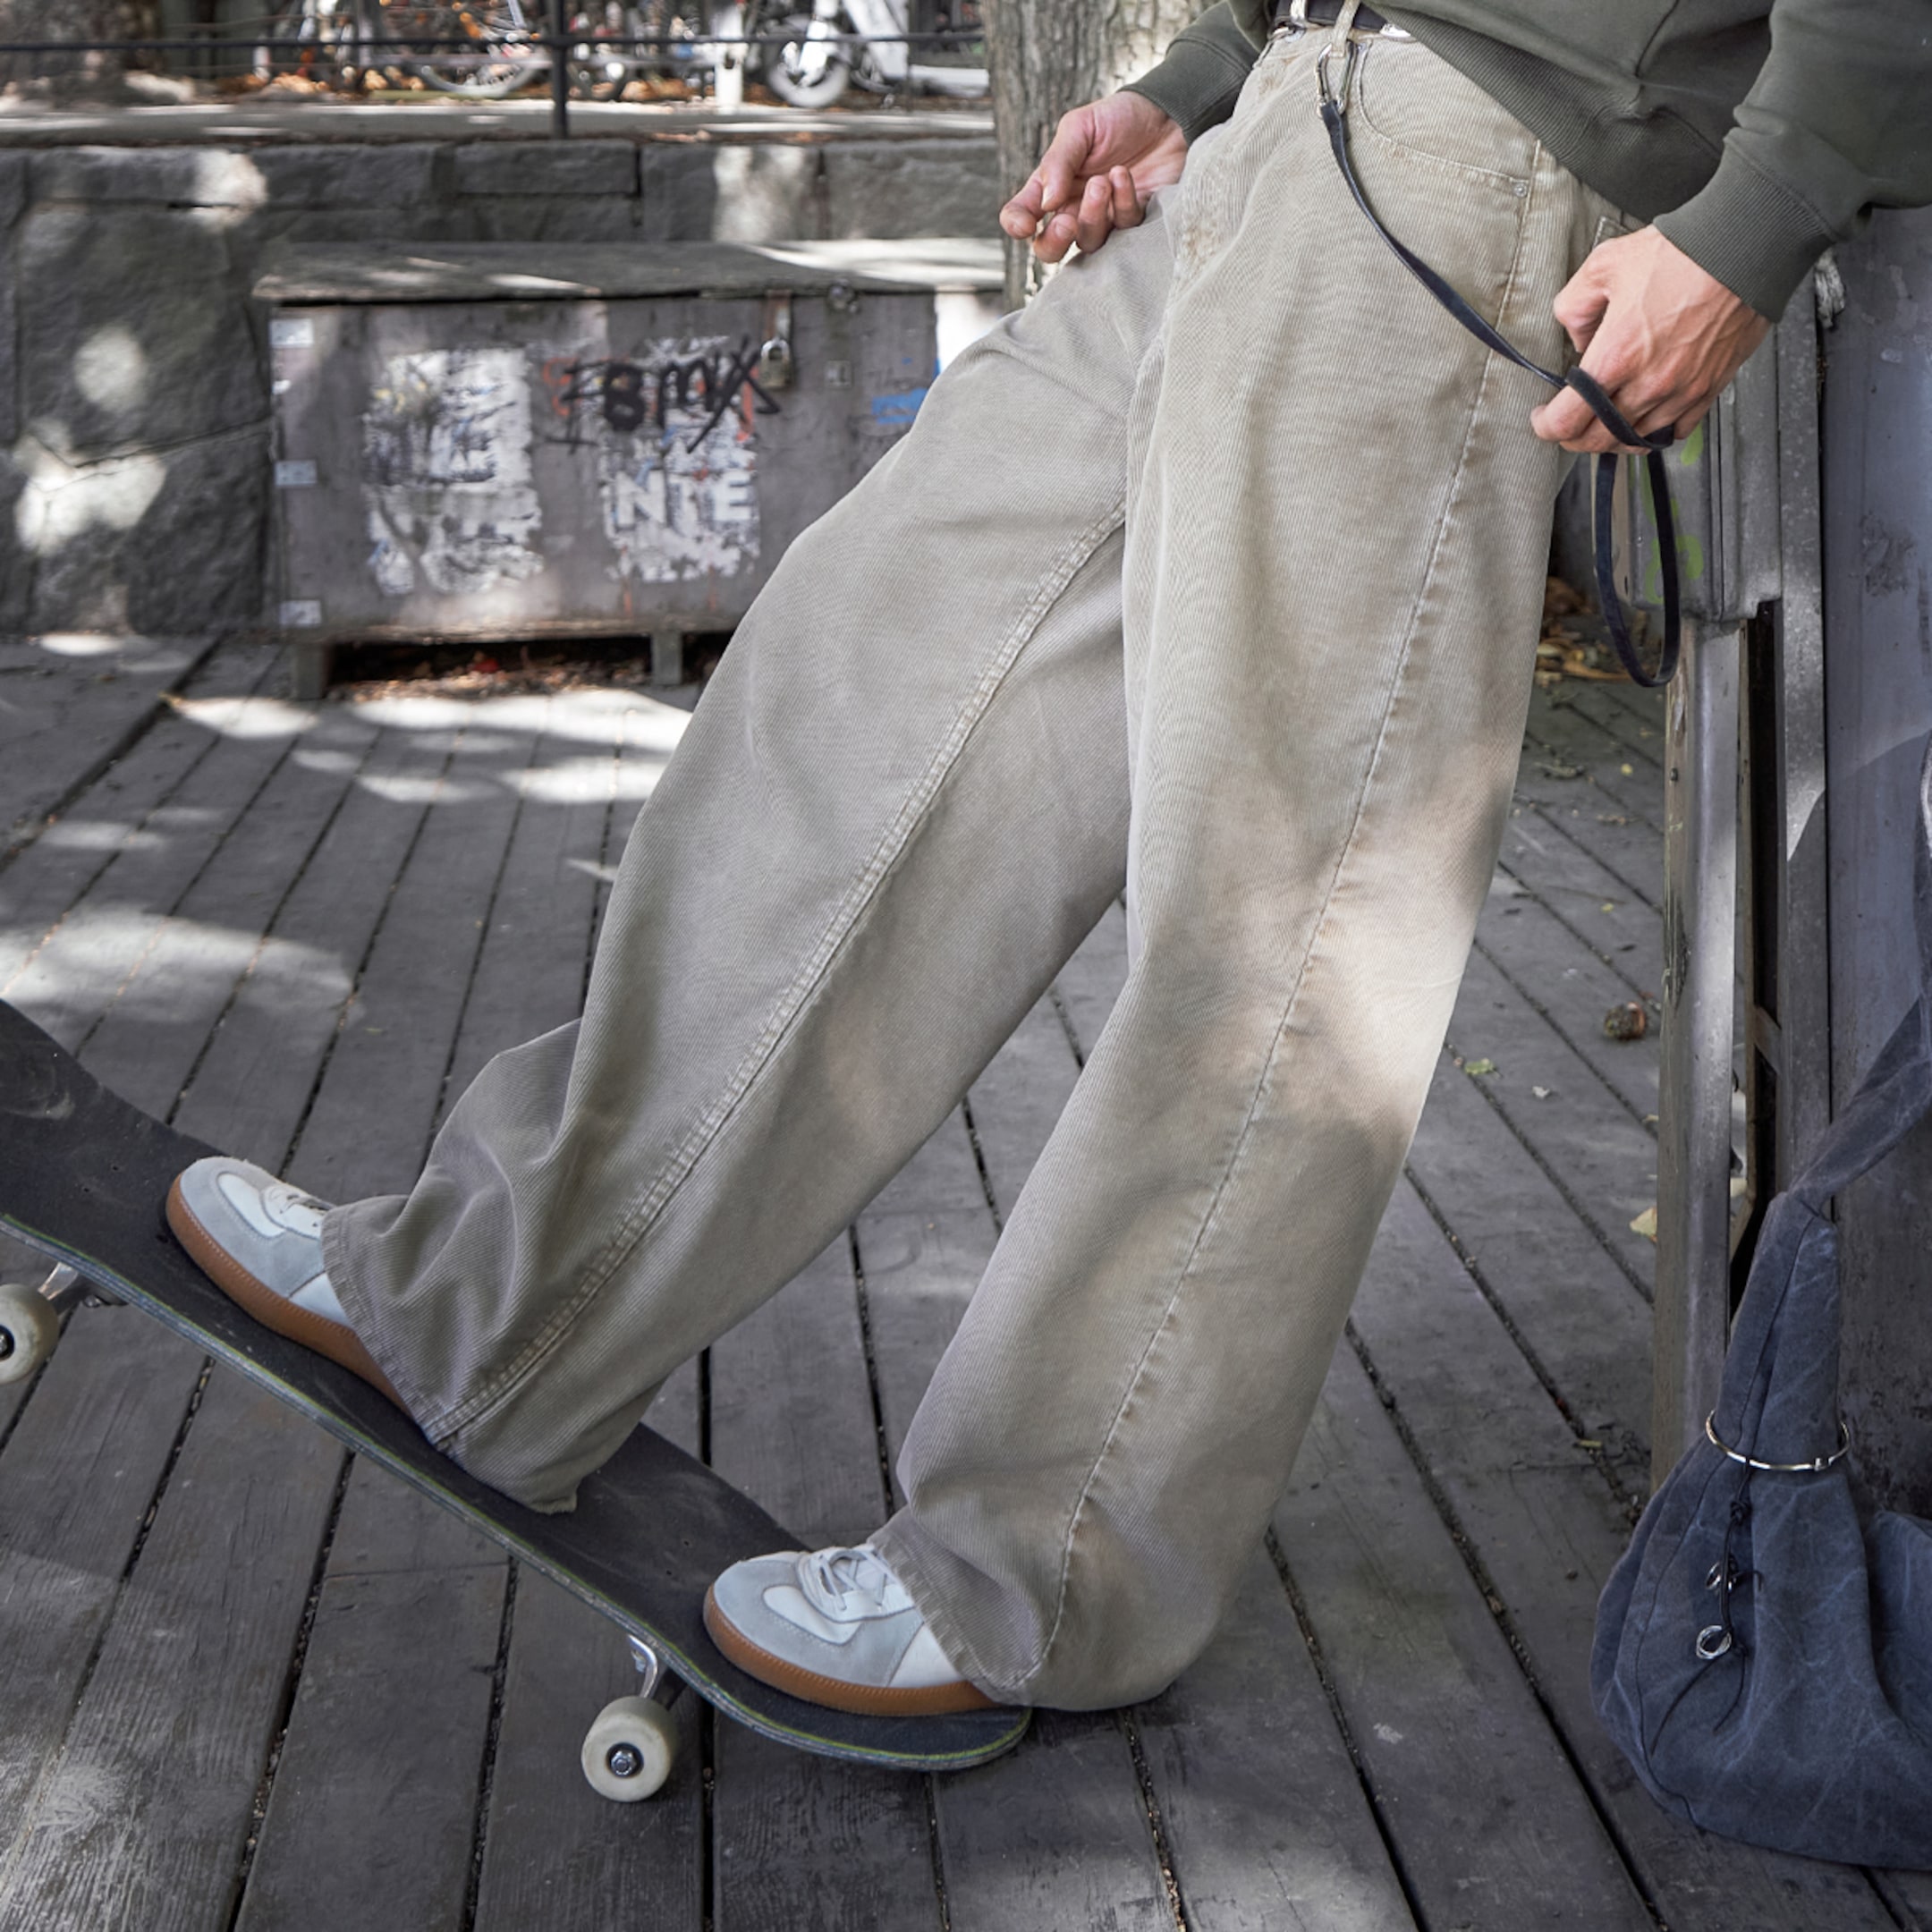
{"x": 901, "y": 804}
{"x": 1337, "y": 537}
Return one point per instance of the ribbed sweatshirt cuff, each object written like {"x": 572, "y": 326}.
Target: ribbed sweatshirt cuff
{"x": 1759, "y": 238}
{"x": 1205, "y": 68}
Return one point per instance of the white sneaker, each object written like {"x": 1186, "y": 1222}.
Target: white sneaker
{"x": 259, "y": 1240}
{"x": 835, "y": 1627}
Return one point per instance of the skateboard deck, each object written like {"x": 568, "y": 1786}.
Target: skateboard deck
{"x": 83, "y": 1176}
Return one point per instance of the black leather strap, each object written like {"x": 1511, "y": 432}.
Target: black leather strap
{"x": 1325, "y": 13}
{"x": 1334, "y": 113}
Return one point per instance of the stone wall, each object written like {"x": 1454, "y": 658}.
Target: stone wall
{"x": 134, "y": 452}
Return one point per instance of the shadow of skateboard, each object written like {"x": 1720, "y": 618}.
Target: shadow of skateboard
{"x": 83, "y": 1179}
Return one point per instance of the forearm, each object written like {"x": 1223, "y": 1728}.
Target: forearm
{"x": 1839, "y": 121}
{"x": 1208, "y": 64}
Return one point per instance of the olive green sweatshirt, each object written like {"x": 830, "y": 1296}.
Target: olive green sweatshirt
{"x": 1754, "y": 133}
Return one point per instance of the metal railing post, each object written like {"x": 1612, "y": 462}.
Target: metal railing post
{"x": 559, "y": 70}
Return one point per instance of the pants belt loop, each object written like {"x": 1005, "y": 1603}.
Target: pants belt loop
{"x": 1338, "y": 41}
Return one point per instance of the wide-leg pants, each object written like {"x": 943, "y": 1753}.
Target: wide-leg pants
{"x": 1213, "y": 577}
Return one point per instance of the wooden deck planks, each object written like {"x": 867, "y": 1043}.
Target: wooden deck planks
{"x": 1544, "y": 1528}
{"x": 375, "y": 862}
{"x": 1057, "y": 1834}
{"x": 802, "y": 1841}
{"x": 68, "y": 707}
{"x": 142, "y": 1818}
{"x": 1476, "y": 1786}
{"x": 396, "y": 1680}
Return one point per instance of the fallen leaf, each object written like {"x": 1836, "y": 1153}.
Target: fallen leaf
{"x": 1646, "y": 1224}
{"x": 1478, "y": 1066}
{"x": 1627, "y": 1021}
{"x": 1627, "y": 771}
{"x": 1542, "y": 1093}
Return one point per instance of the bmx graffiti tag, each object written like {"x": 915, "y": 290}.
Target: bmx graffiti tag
{"x": 673, "y": 436}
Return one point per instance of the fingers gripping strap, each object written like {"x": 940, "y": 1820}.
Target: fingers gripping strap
{"x": 1334, "y": 118}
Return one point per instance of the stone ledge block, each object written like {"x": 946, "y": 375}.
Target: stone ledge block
{"x": 12, "y": 189}
{"x": 176, "y": 177}
{"x": 184, "y": 555}
{"x": 531, "y": 218}
{"x": 132, "y": 331}
{"x": 378, "y": 176}
{"x": 891, "y": 190}
{"x": 537, "y": 168}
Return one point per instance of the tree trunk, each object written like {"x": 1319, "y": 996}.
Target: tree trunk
{"x": 1048, "y": 55}
{"x": 82, "y": 71}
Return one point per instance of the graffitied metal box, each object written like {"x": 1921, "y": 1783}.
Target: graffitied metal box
{"x": 500, "y": 442}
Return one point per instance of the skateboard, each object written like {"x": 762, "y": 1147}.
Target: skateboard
{"x": 83, "y": 1179}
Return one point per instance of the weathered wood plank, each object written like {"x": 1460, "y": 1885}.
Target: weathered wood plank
{"x": 76, "y": 1480}
{"x": 1596, "y": 905}
{"x": 421, "y": 976}
{"x": 1565, "y": 982}
{"x": 1546, "y": 1530}
{"x": 142, "y": 1819}
{"x": 1573, "y": 1309}
{"x": 397, "y": 1033}
{"x": 1561, "y": 736}
{"x": 1604, "y": 1160}
{"x": 802, "y": 1841}
{"x": 1478, "y": 1792}
{"x": 1261, "y": 1806}
{"x": 65, "y": 715}
{"x": 383, "y": 1752}
{"x": 252, "y": 1086}
{"x": 39, "y": 885}
{"x": 1629, "y": 851}
{"x": 1057, "y": 1834}
{"x": 1633, "y": 717}
{"x": 554, "y": 1853}
{"x": 1090, "y": 981}
{"x": 1263, "y": 1815}
{"x": 146, "y": 1043}
{"x": 529, "y": 974}
{"x": 75, "y": 973}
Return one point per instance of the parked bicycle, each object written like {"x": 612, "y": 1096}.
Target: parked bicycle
{"x": 826, "y": 50}
{"x": 613, "y": 42}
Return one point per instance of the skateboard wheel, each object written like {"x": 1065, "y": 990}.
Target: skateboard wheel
{"x": 630, "y": 1748}
{"x": 29, "y": 1329}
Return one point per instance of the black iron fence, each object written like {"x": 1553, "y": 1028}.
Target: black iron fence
{"x": 805, "y": 53}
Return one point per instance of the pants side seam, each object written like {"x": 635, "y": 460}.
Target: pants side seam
{"x": 1283, "y": 1026}
{"x": 639, "y": 1220}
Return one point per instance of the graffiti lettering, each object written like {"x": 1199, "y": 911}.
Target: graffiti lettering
{"x": 632, "y": 397}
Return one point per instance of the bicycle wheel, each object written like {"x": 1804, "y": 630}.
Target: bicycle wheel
{"x": 601, "y": 69}
{"x": 312, "y": 37}
{"x": 811, "y": 69}
{"x": 508, "y": 52}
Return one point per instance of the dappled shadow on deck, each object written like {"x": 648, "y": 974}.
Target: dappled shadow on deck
{"x": 252, "y": 1684}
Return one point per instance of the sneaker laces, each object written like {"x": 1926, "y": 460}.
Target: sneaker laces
{"x": 829, "y": 1576}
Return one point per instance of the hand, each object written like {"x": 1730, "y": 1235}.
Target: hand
{"x": 1661, "y": 335}
{"x": 1102, "y": 163}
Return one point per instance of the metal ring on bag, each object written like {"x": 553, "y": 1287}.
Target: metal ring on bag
{"x": 1817, "y": 1466}
{"x": 1712, "y": 1642}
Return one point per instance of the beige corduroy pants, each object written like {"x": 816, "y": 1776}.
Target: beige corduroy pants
{"x": 1214, "y": 577}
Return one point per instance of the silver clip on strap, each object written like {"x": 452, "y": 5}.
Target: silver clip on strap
{"x": 1817, "y": 1466}
{"x": 1341, "y": 45}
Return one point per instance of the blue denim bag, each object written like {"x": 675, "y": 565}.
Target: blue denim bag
{"x": 1764, "y": 1655}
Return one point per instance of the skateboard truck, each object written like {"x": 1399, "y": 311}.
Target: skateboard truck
{"x": 631, "y": 1745}
{"x": 30, "y": 1318}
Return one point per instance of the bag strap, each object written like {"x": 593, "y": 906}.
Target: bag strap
{"x": 1334, "y": 118}
{"x": 1897, "y": 1092}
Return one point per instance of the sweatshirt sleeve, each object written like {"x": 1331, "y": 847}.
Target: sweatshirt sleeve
{"x": 1205, "y": 66}
{"x": 1838, "y": 122}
